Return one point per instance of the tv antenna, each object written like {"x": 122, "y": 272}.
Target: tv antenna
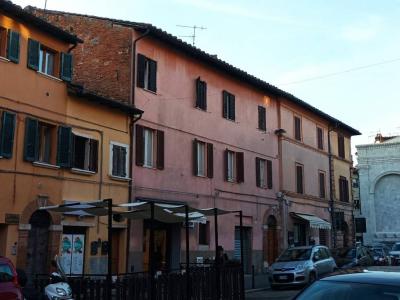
{"x": 193, "y": 36}
{"x": 45, "y": 4}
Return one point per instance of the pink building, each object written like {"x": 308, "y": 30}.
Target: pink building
{"x": 211, "y": 136}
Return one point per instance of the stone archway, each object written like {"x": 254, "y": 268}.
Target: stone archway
{"x": 270, "y": 239}
{"x": 38, "y": 243}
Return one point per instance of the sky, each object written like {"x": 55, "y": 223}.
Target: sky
{"x": 341, "y": 56}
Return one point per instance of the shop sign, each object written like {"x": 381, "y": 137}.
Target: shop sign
{"x": 12, "y": 219}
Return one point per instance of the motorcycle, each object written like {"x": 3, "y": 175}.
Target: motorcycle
{"x": 58, "y": 288}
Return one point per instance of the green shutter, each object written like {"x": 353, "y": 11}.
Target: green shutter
{"x": 31, "y": 145}
{"x": 33, "y": 54}
{"x": 66, "y": 67}
{"x": 7, "y": 134}
{"x": 141, "y": 66}
{"x": 64, "y": 147}
{"x": 13, "y": 46}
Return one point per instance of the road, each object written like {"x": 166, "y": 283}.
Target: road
{"x": 273, "y": 295}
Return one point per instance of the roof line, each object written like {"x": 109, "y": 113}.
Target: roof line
{"x": 218, "y": 63}
{"x": 80, "y": 91}
{"x": 16, "y": 11}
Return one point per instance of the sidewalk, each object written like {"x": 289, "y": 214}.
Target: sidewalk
{"x": 260, "y": 281}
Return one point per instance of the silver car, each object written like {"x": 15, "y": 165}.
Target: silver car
{"x": 301, "y": 265}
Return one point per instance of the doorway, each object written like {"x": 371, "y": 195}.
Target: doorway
{"x": 247, "y": 247}
{"x": 38, "y": 244}
{"x": 115, "y": 244}
{"x": 166, "y": 245}
{"x": 271, "y": 240}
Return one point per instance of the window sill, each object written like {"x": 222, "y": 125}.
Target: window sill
{"x": 45, "y": 165}
{"x": 262, "y": 130}
{"x": 201, "y": 176}
{"x": 150, "y": 91}
{"x": 49, "y": 76}
{"x": 4, "y": 59}
{"x": 119, "y": 178}
{"x": 231, "y": 120}
{"x": 83, "y": 172}
{"x": 199, "y": 108}
{"x": 149, "y": 167}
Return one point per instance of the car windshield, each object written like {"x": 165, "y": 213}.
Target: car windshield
{"x": 6, "y": 273}
{"x": 396, "y": 247}
{"x": 295, "y": 254}
{"x": 332, "y": 290}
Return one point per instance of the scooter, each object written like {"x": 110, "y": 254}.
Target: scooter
{"x": 58, "y": 288}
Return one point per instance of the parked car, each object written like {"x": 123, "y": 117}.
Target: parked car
{"x": 365, "y": 286}
{"x": 9, "y": 286}
{"x": 353, "y": 257}
{"x": 301, "y": 265}
{"x": 395, "y": 254}
{"x": 381, "y": 256}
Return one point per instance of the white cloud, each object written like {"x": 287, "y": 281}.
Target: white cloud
{"x": 362, "y": 31}
{"x": 234, "y": 9}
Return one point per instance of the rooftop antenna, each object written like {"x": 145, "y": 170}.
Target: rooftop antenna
{"x": 193, "y": 37}
{"x": 45, "y": 4}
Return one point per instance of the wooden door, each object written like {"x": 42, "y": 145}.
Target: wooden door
{"x": 272, "y": 241}
{"x": 160, "y": 249}
{"x": 115, "y": 251}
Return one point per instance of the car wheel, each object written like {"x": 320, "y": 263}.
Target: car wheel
{"x": 311, "y": 278}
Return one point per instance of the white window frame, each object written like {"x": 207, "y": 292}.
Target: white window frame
{"x": 146, "y": 162}
{"x": 110, "y": 165}
{"x": 262, "y": 168}
{"x": 47, "y": 53}
{"x": 231, "y": 161}
{"x": 201, "y": 157}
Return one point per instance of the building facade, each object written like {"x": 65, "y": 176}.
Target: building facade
{"x": 59, "y": 143}
{"x": 379, "y": 176}
{"x": 212, "y": 136}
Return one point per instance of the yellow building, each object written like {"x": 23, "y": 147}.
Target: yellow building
{"x": 58, "y": 143}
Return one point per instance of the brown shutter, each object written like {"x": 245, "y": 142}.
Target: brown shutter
{"x": 225, "y": 99}
{"x": 240, "y": 167}
{"x": 269, "y": 174}
{"x": 226, "y": 164}
{"x": 93, "y": 163}
{"x": 321, "y": 185}
{"x": 195, "y": 162}
{"x": 152, "y": 75}
{"x": 232, "y": 107}
{"x": 141, "y": 66}
{"x": 160, "y": 150}
{"x": 210, "y": 160}
{"x": 115, "y": 151}
{"x": 320, "y": 138}
{"x": 297, "y": 128}
{"x": 139, "y": 146}
{"x": 341, "y": 146}
{"x": 261, "y": 118}
{"x": 258, "y": 183}
{"x": 299, "y": 179}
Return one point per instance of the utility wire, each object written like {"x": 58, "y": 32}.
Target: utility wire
{"x": 343, "y": 72}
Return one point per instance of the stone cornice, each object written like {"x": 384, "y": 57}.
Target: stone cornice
{"x": 374, "y": 146}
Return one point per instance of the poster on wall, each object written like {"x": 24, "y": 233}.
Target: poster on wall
{"x": 77, "y": 254}
{"x": 72, "y": 253}
{"x": 66, "y": 253}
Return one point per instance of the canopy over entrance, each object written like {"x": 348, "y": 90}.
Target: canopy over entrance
{"x": 314, "y": 221}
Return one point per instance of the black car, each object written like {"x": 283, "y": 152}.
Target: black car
{"x": 365, "y": 286}
{"x": 353, "y": 257}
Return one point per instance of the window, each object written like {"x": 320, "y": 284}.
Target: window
{"x": 9, "y": 44}
{"x": 119, "y": 161}
{"x": 297, "y": 128}
{"x": 149, "y": 147}
{"x": 234, "y": 166}
{"x": 339, "y": 222}
{"x": 322, "y": 186}
{"x": 50, "y": 62}
{"x": 7, "y": 129}
{"x": 202, "y": 159}
{"x": 146, "y": 73}
{"x": 201, "y": 94}
{"x": 85, "y": 153}
{"x": 228, "y": 106}
{"x": 343, "y": 189}
{"x": 341, "y": 151}
{"x": 46, "y": 147}
{"x": 320, "y": 138}
{"x": 299, "y": 179}
{"x": 263, "y": 173}
{"x": 46, "y": 61}
{"x": 204, "y": 233}
{"x": 262, "y": 125}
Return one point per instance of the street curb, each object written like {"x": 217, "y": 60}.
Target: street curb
{"x": 257, "y": 290}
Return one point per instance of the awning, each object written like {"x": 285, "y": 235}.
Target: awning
{"x": 314, "y": 221}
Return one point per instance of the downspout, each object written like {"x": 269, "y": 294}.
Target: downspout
{"x": 331, "y": 185}
{"x": 132, "y": 122}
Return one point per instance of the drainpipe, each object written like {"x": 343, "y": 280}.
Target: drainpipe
{"x": 132, "y": 122}
{"x": 331, "y": 185}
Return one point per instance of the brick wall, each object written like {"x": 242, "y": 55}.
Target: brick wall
{"x": 102, "y": 63}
